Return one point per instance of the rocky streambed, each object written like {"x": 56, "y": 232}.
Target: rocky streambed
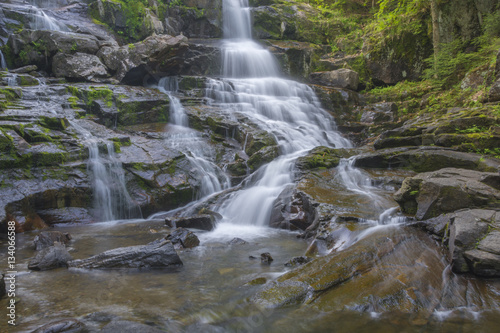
{"x": 399, "y": 233}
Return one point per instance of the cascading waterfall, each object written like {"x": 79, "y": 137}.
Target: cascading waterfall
{"x": 3, "y": 63}
{"x": 41, "y": 21}
{"x": 111, "y": 198}
{"x": 287, "y": 109}
{"x": 181, "y": 137}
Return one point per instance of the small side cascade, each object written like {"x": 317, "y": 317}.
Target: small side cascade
{"x": 12, "y": 80}
{"x": 3, "y": 63}
{"x": 41, "y": 21}
{"x": 201, "y": 155}
{"x": 358, "y": 181}
{"x": 111, "y": 198}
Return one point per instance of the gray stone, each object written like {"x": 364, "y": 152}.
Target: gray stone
{"x": 340, "y": 78}
{"x": 183, "y": 239}
{"x": 48, "y": 238}
{"x": 483, "y": 263}
{"x": 430, "y": 194}
{"x": 50, "y": 258}
{"x": 154, "y": 255}
{"x": 491, "y": 243}
{"x": 79, "y": 66}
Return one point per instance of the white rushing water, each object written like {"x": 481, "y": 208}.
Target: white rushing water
{"x": 39, "y": 20}
{"x": 289, "y": 110}
{"x": 3, "y": 63}
{"x": 197, "y": 151}
{"x": 111, "y": 198}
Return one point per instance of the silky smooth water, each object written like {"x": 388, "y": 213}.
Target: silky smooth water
{"x": 188, "y": 141}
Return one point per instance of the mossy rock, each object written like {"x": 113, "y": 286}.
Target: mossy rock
{"x": 322, "y": 158}
{"x": 263, "y": 156}
{"x": 54, "y": 123}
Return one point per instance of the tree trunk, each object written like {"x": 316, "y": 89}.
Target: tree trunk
{"x": 435, "y": 33}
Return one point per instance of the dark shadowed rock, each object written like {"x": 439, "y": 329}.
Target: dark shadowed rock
{"x": 340, "y": 78}
{"x": 79, "y": 66}
{"x": 483, "y": 263}
{"x": 154, "y": 255}
{"x": 62, "y": 326}
{"x": 494, "y": 93}
{"x": 430, "y": 194}
{"x": 202, "y": 222}
{"x": 293, "y": 210}
{"x": 50, "y": 258}
{"x": 48, "y": 238}
{"x": 125, "y": 326}
{"x": 183, "y": 239}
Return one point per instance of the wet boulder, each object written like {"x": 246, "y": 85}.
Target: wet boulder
{"x": 340, "y": 78}
{"x": 183, "y": 239}
{"x": 160, "y": 254}
{"x": 470, "y": 237}
{"x": 158, "y": 56}
{"x": 431, "y": 194}
{"x": 357, "y": 277}
{"x": 79, "y": 66}
{"x": 60, "y": 326}
{"x": 266, "y": 258}
{"x": 202, "y": 222}
{"x": 50, "y": 258}
{"x": 293, "y": 210}
{"x": 48, "y": 238}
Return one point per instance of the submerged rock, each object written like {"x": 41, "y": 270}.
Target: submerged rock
{"x": 60, "y": 326}
{"x": 50, "y": 258}
{"x": 183, "y": 239}
{"x": 49, "y": 238}
{"x": 154, "y": 255}
{"x": 237, "y": 241}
